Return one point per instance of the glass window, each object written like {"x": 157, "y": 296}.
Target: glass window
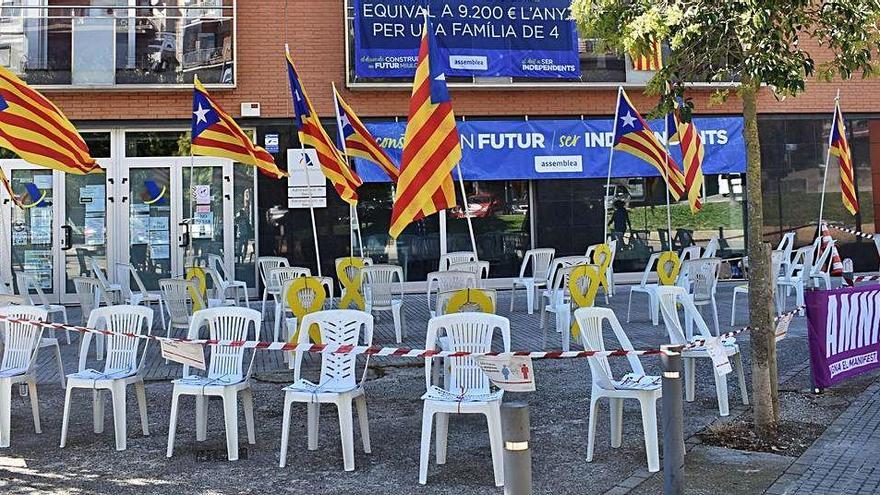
{"x": 156, "y": 143}
{"x": 500, "y": 214}
{"x": 244, "y": 218}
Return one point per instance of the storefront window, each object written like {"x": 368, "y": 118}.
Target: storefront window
{"x": 244, "y": 208}
{"x": 156, "y": 143}
{"x": 500, "y": 214}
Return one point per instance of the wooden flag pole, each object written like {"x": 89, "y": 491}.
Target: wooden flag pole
{"x": 610, "y": 160}
{"x": 827, "y": 162}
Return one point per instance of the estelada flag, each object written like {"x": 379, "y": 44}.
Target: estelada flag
{"x": 37, "y": 131}
{"x": 431, "y": 147}
{"x": 356, "y": 140}
{"x": 840, "y": 149}
{"x": 688, "y": 138}
{"x": 215, "y": 133}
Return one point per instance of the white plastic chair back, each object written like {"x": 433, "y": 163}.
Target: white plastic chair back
{"x": 26, "y": 283}
{"x": 21, "y": 340}
{"x": 351, "y": 271}
{"x": 690, "y": 253}
{"x": 455, "y": 257}
{"x": 280, "y": 276}
{"x": 821, "y": 261}
{"x": 539, "y": 259}
{"x": 99, "y": 274}
{"x": 612, "y": 244}
{"x": 470, "y": 332}
{"x": 649, "y": 269}
{"x": 216, "y": 262}
{"x": 226, "y": 323}
{"x": 563, "y": 262}
{"x": 86, "y": 290}
{"x": 305, "y": 295}
{"x": 702, "y": 274}
{"x": 132, "y": 274}
{"x": 712, "y": 247}
{"x": 670, "y": 297}
{"x": 179, "y": 299}
{"x": 479, "y": 268}
{"x": 444, "y": 297}
{"x": 786, "y": 244}
{"x": 800, "y": 263}
{"x": 121, "y": 351}
{"x": 266, "y": 264}
{"x": 590, "y": 322}
{"x": 379, "y": 283}
{"x": 450, "y": 280}
{"x": 338, "y": 327}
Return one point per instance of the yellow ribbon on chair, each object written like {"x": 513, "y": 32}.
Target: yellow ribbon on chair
{"x": 583, "y": 285}
{"x": 602, "y": 258}
{"x": 351, "y": 286}
{"x": 668, "y": 266}
{"x": 297, "y": 306}
{"x": 197, "y": 275}
{"x": 474, "y": 300}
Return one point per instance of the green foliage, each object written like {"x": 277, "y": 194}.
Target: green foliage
{"x": 757, "y": 41}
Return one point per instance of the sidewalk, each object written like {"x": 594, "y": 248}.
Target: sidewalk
{"x": 844, "y": 458}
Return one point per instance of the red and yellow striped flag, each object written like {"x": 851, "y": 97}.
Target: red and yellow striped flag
{"x": 651, "y": 61}
{"x": 356, "y": 139}
{"x": 37, "y": 131}
{"x": 692, "y": 152}
{"x": 311, "y": 133}
{"x": 214, "y": 133}
{"x": 431, "y": 147}
{"x": 840, "y": 149}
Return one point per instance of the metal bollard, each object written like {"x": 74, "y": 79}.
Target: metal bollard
{"x": 673, "y": 422}
{"x": 517, "y": 454}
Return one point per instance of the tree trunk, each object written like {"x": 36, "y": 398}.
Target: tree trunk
{"x": 763, "y": 341}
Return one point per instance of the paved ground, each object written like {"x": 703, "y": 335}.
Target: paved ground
{"x": 89, "y": 464}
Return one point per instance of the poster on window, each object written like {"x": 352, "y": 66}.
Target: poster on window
{"x": 92, "y": 197}
{"x": 203, "y": 225}
{"x": 93, "y": 231}
{"x": 41, "y": 225}
{"x": 488, "y": 38}
{"x": 38, "y": 263}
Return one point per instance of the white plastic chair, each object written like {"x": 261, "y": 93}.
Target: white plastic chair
{"x": 266, "y": 264}
{"x": 647, "y": 288}
{"x": 443, "y": 299}
{"x": 223, "y": 282}
{"x": 225, "y": 377}
{"x": 26, "y": 283}
{"x": 280, "y": 277}
{"x": 378, "y": 283}
{"x": 795, "y": 276}
{"x": 338, "y": 383}
{"x": 111, "y": 292}
{"x": 305, "y": 296}
{"x": 548, "y": 296}
{"x": 450, "y": 280}
{"x": 469, "y": 390}
{"x": 20, "y": 346}
{"x": 142, "y": 296}
{"x": 609, "y": 273}
{"x": 634, "y": 385}
{"x": 786, "y": 245}
{"x": 121, "y": 369}
{"x": 539, "y": 260}
{"x": 480, "y": 269}
{"x": 711, "y": 249}
{"x": 456, "y": 257}
{"x": 179, "y": 301}
{"x": 739, "y": 290}
{"x": 702, "y": 277}
{"x": 820, "y": 268}
{"x": 350, "y": 271}
{"x": 690, "y": 253}
{"x": 87, "y": 294}
{"x": 670, "y": 296}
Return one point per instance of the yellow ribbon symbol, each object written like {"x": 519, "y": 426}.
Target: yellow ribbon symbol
{"x": 472, "y": 300}
{"x": 197, "y": 275}
{"x": 668, "y": 266}
{"x": 349, "y": 273}
{"x": 602, "y": 257}
{"x": 306, "y": 295}
{"x": 583, "y": 285}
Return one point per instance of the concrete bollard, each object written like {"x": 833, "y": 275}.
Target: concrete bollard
{"x": 517, "y": 453}
{"x": 673, "y": 423}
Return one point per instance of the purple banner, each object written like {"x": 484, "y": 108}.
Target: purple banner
{"x": 844, "y": 326}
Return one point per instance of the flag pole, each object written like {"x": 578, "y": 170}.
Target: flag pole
{"x": 827, "y": 161}
{"x": 666, "y": 180}
{"x": 352, "y": 209}
{"x": 610, "y": 160}
{"x": 305, "y": 159}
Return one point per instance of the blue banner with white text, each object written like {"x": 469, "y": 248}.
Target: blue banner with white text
{"x": 560, "y": 149}
{"x": 519, "y": 38}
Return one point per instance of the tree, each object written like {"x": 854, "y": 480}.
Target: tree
{"x": 757, "y": 43}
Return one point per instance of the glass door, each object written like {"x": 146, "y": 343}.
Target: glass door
{"x": 150, "y": 223}
{"x": 83, "y": 227}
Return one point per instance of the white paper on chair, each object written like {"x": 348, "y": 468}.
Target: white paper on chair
{"x": 509, "y": 373}
{"x": 184, "y": 353}
{"x": 782, "y": 326}
{"x": 716, "y": 351}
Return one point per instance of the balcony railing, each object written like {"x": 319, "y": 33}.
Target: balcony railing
{"x": 133, "y": 44}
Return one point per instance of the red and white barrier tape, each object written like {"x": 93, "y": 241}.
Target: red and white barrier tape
{"x": 854, "y": 232}
{"x": 376, "y": 351}
{"x": 861, "y": 278}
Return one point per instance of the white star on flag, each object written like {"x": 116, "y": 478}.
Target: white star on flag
{"x": 628, "y": 120}
{"x": 201, "y": 114}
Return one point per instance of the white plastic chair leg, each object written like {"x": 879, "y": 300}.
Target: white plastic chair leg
{"x": 689, "y": 378}
{"x": 715, "y": 317}
{"x": 172, "y": 423}
{"x": 733, "y": 307}
{"x": 313, "y": 413}
{"x": 654, "y": 301}
{"x": 247, "y": 399}
{"x": 285, "y": 430}
{"x": 649, "y": 425}
{"x": 530, "y": 296}
{"x": 65, "y": 418}
{"x": 162, "y": 314}
{"x": 60, "y": 363}
{"x": 427, "y": 420}
{"x": 363, "y": 422}
{"x": 493, "y": 418}
{"x": 721, "y": 393}
{"x": 741, "y": 376}
{"x": 230, "y": 418}
{"x": 35, "y": 405}
{"x": 441, "y": 437}
{"x": 5, "y": 411}
{"x": 396, "y": 307}
{"x": 512, "y": 297}
{"x": 591, "y": 429}
{"x": 616, "y": 406}
{"x": 98, "y": 411}
{"x": 120, "y": 423}
{"x": 201, "y": 418}
{"x": 64, "y": 317}
{"x": 263, "y": 305}
{"x": 141, "y": 393}
{"x": 277, "y": 327}
{"x": 346, "y": 432}
{"x": 629, "y": 305}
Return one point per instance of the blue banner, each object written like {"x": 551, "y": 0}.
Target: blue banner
{"x": 561, "y": 149}
{"x": 520, "y": 38}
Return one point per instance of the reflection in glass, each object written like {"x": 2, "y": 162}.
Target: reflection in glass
{"x": 150, "y": 224}
{"x": 206, "y": 213}
{"x": 86, "y": 215}
{"x": 244, "y": 206}
{"x": 32, "y": 226}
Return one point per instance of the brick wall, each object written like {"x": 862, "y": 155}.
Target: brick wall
{"x": 317, "y": 43}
